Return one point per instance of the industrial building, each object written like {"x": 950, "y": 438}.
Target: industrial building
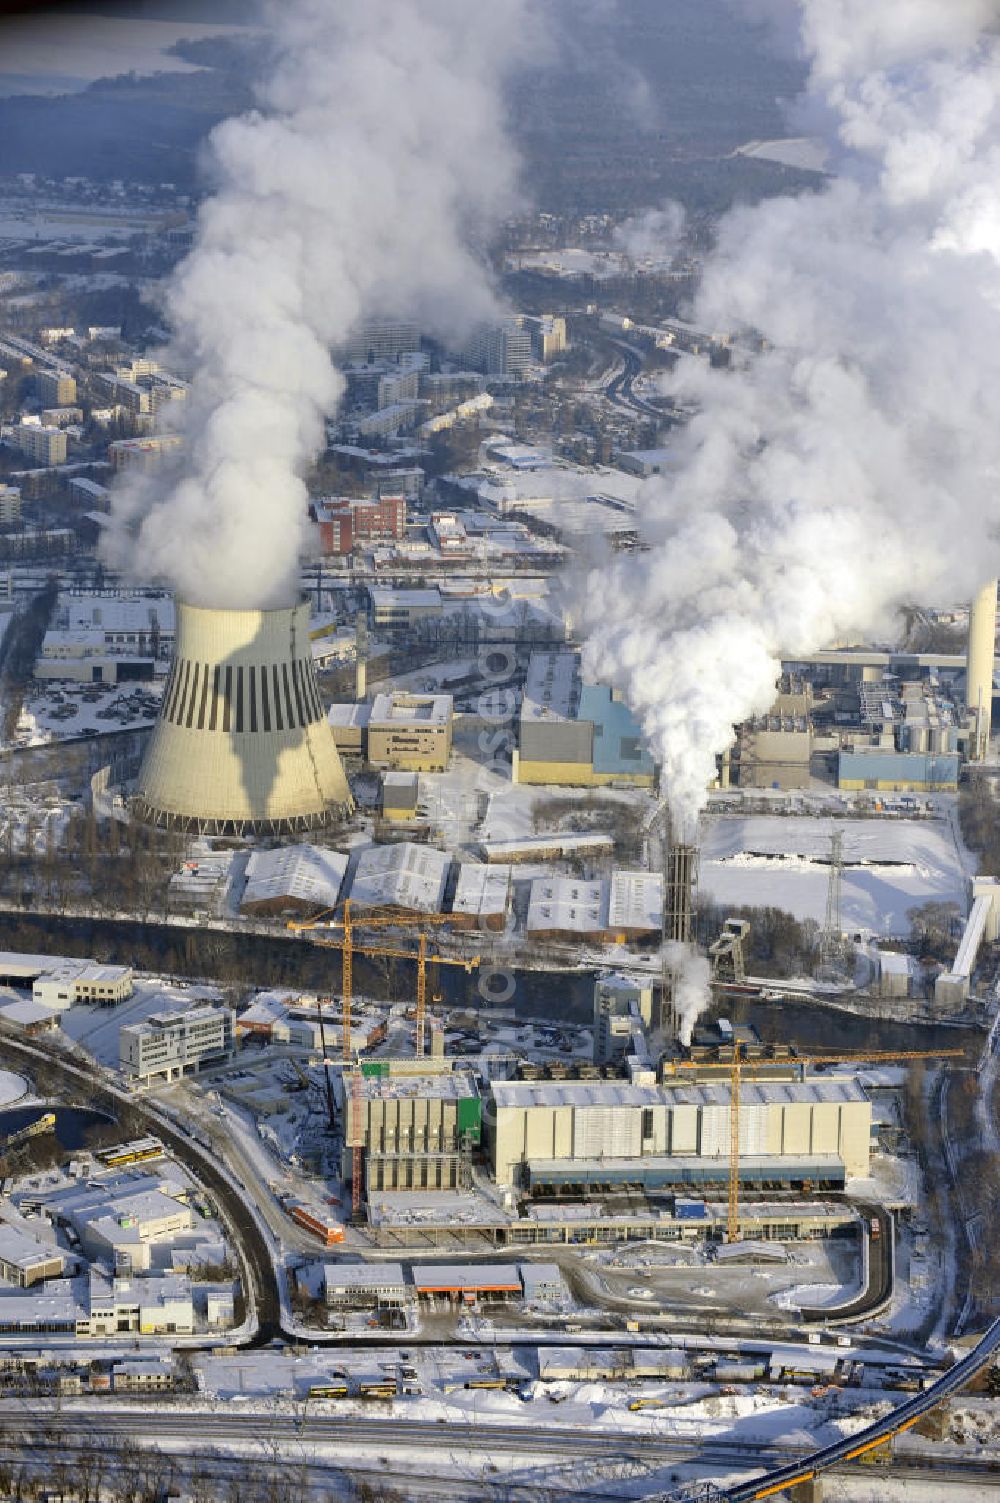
{"x": 409, "y": 877}
{"x": 621, "y": 1005}
{"x": 414, "y": 1130}
{"x": 626, "y": 906}
{"x": 58, "y": 982}
{"x": 106, "y": 1307}
{"x": 774, "y": 750}
{"x": 482, "y": 897}
{"x": 884, "y": 770}
{"x": 202, "y": 884}
{"x": 400, "y": 797}
{"x": 951, "y": 988}
{"x": 594, "y": 1133}
{"x": 574, "y": 733}
{"x": 376, "y": 1286}
{"x": 410, "y": 732}
{"x": 399, "y": 610}
{"x": 467, "y": 1284}
{"x": 110, "y": 638}
{"x": 242, "y": 744}
{"x": 349, "y": 727}
{"x": 168, "y": 1045}
{"x": 301, "y": 879}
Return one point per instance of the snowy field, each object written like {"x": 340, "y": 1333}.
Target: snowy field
{"x": 890, "y": 866}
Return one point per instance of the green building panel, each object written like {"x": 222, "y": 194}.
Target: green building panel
{"x": 470, "y": 1117}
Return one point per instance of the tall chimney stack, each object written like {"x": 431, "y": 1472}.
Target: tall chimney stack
{"x": 979, "y": 668}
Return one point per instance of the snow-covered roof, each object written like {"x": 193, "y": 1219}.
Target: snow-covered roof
{"x": 399, "y": 708}
{"x": 567, "y": 903}
{"x": 401, "y": 876}
{"x": 636, "y": 900}
{"x": 481, "y": 889}
{"x": 611, "y": 1093}
{"x": 299, "y": 873}
{"x": 552, "y": 686}
{"x": 364, "y": 1276}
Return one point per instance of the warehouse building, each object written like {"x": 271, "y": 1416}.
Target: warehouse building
{"x": 550, "y": 1134}
{"x": 574, "y": 733}
{"x": 482, "y": 897}
{"x": 626, "y": 906}
{"x": 301, "y": 879}
{"x": 410, "y": 732}
{"x": 414, "y": 1130}
{"x": 467, "y": 1284}
{"x": 409, "y": 877}
{"x": 375, "y": 1286}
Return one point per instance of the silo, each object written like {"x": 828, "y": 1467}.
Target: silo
{"x": 979, "y": 668}
{"x": 242, "y": 744}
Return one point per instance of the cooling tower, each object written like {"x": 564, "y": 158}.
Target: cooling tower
{"x": 242, "y": 745}
{"x": 979, "y": 668}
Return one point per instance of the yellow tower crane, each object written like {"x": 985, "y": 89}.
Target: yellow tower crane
{"x": 382, "y": 919}
{"x": 740, "y": 1064}
{"x": 348, "y": 949}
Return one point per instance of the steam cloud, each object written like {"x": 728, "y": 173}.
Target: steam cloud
{"x": 691, "y": 993}
{"x": 377, "y": 149}
{"x": 851, "y": 463}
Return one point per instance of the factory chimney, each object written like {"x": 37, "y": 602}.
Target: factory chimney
{"x": 979, "y": 669}
{"x": 361, "y": 657}
{"x": 682, "y": 865}
{"x": 681, "y": 874}
{"x": 242, "y": 745}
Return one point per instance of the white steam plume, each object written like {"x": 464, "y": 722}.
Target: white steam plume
{"x": 654, "y": 235}
{"x": 854, "y": 464}
{"x": 691, "y": 976}
{"x": 377, "y": 149}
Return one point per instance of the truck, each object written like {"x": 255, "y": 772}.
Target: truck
{"x": 328, "y": 1231}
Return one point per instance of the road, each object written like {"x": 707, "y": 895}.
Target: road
{"x": 461, "y": 1449}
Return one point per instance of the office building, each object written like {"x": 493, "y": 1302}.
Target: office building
{"x": 168, "y": 1045}
{"x": 410, "y": 732}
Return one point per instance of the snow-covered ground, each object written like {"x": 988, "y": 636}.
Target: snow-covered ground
{"x": 12, "y": 1087}
{"x": 890, "y": 866}
{"x": 96, "y": 1028}
{"x": 58, "y": 711}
